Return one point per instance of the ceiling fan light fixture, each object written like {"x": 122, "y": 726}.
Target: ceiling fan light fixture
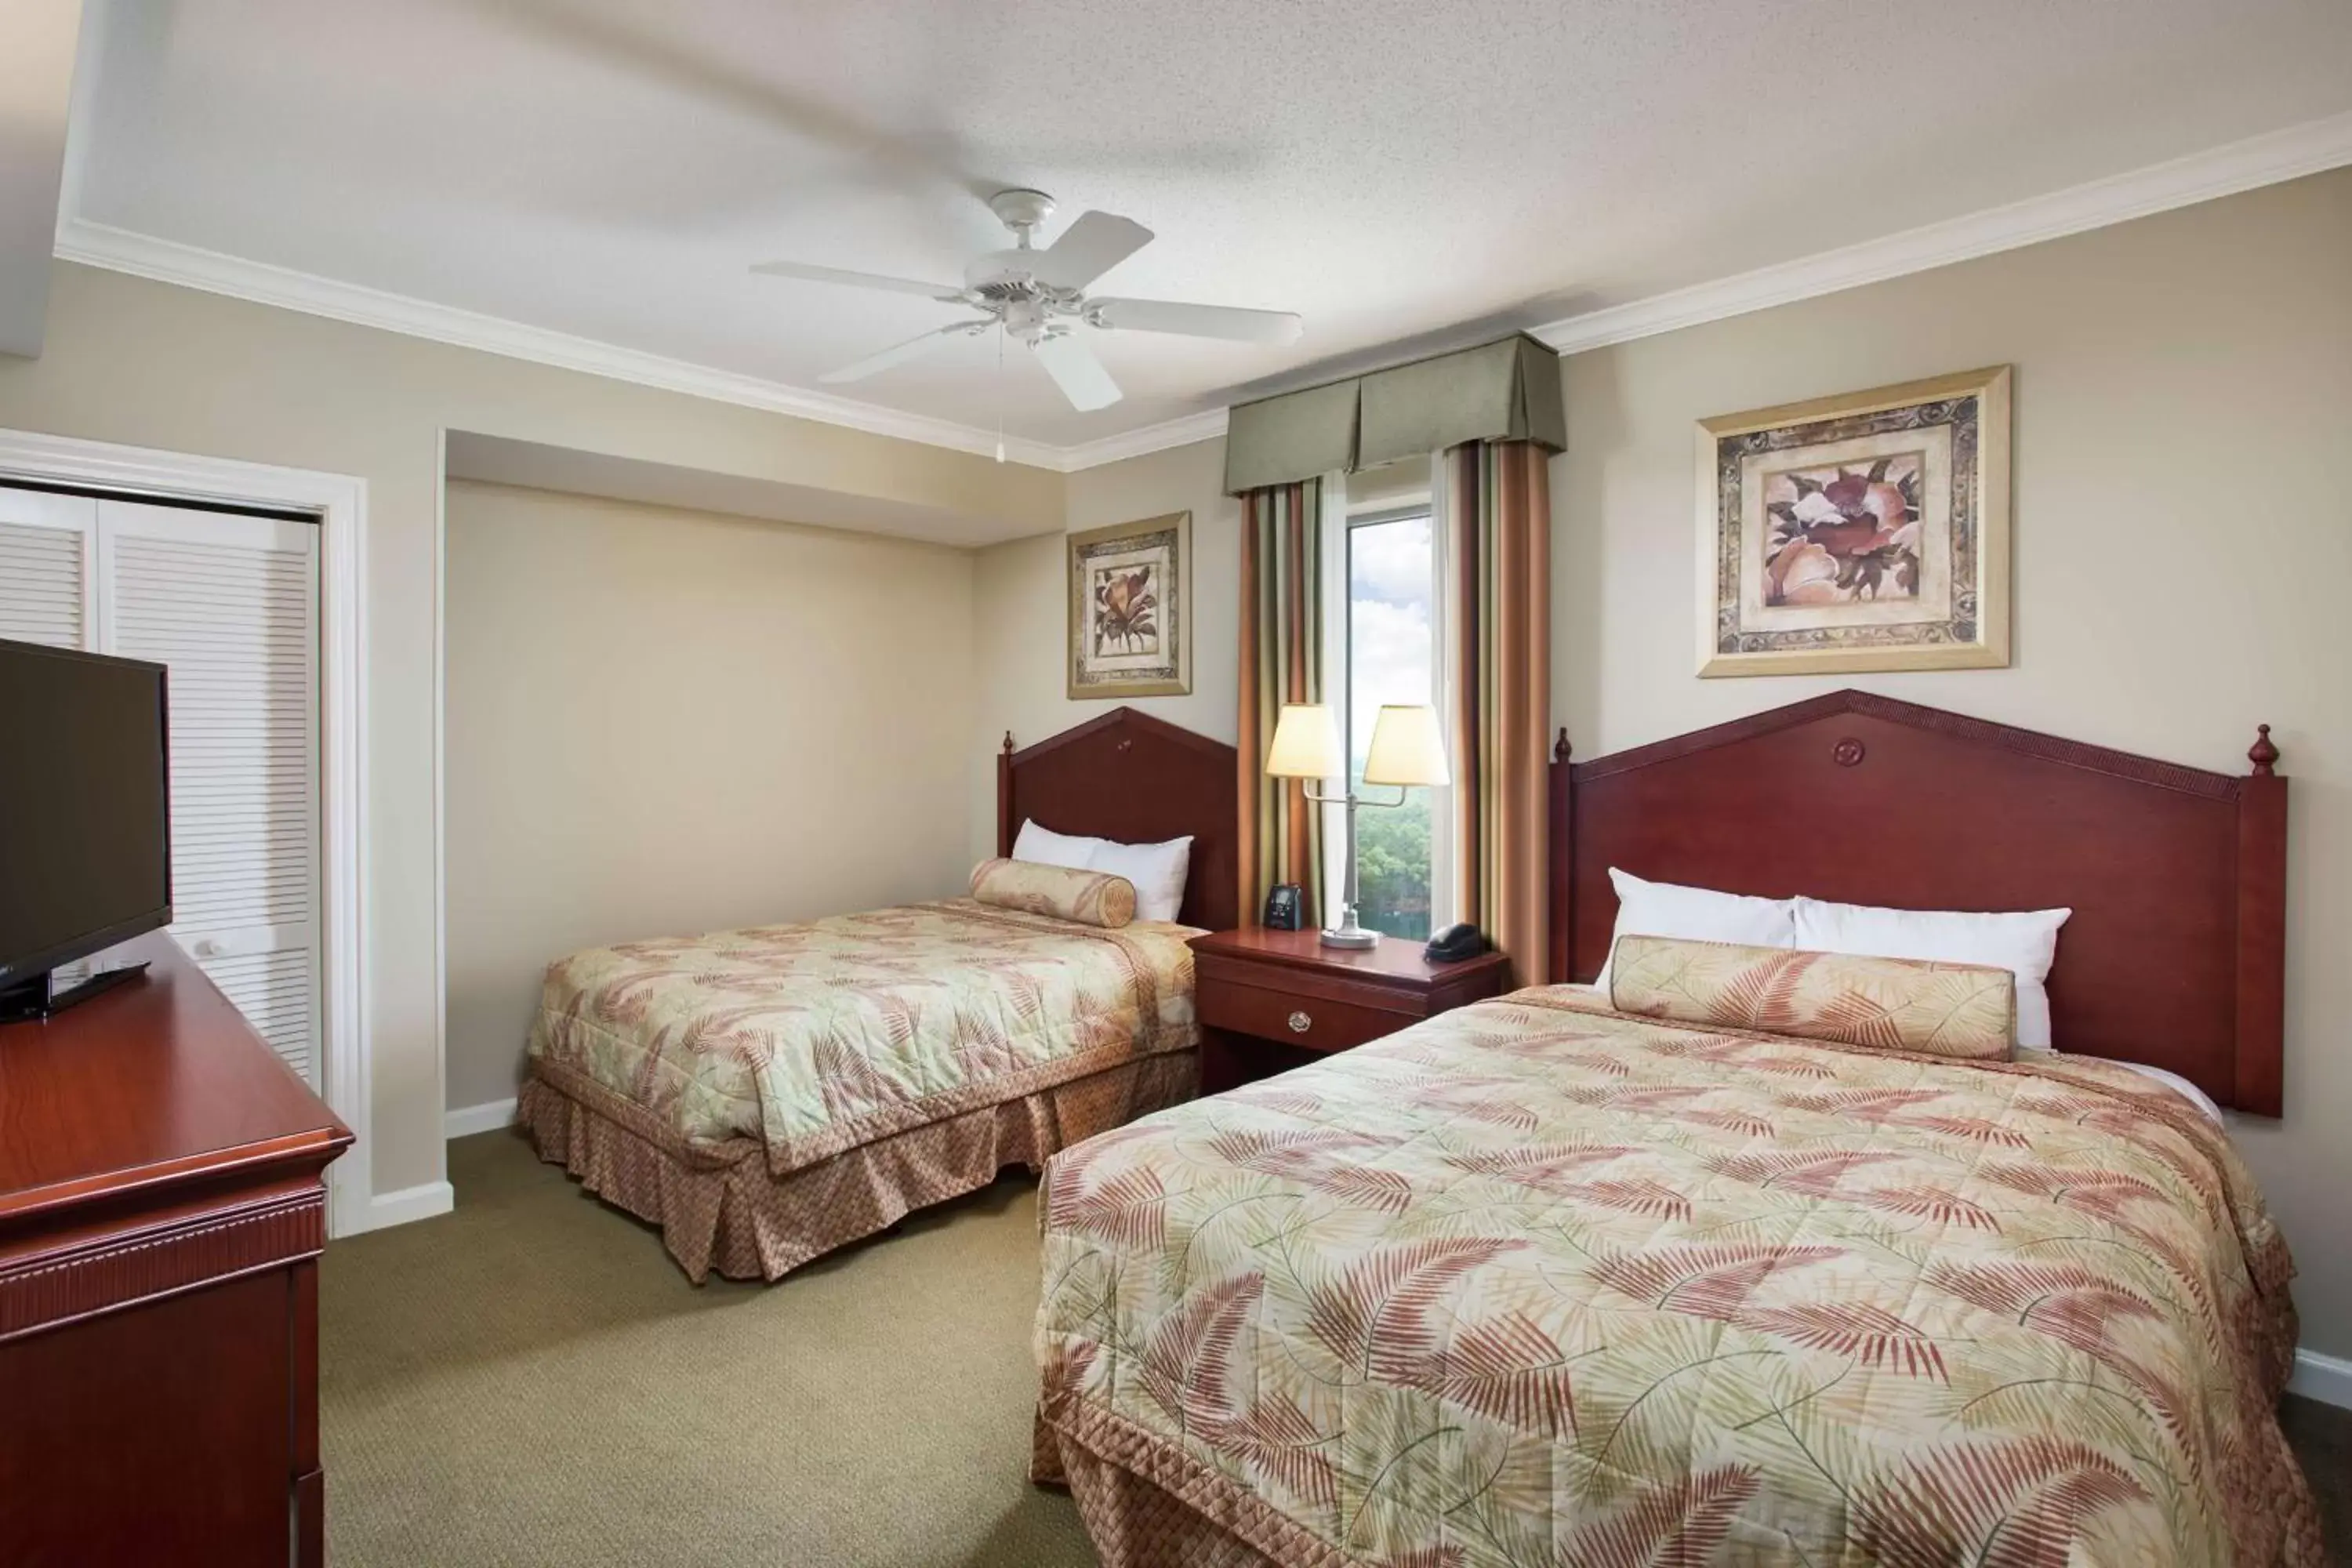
{"x": 1039, "y": 296}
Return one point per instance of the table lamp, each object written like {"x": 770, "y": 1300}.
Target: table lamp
{"x": 1406, "y": 749}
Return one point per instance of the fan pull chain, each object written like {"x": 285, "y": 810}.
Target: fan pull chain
{"x": 1000, "y": 392}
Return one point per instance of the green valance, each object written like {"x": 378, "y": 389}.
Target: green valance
{"x": 1504, "y": 391}
{"x": 1298, "y": 435}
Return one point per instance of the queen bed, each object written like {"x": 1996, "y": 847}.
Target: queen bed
{"x": 1750, "y": 1258}
{"x": 767, "y": 1095}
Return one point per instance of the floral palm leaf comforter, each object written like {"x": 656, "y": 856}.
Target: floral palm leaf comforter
{"x": 818, "y": 1037}
{"x": 1535, "y": 1283}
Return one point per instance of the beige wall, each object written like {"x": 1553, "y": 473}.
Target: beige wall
{"x": 2183, "y": 555}
{"x": 153, "y": 365}
{"x": 2183, "y": 543}
{"x": 1022, "y": 618}
{"x": 663, "y": 721}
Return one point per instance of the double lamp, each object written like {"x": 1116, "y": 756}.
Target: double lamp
{"x": 1406, "y": 751}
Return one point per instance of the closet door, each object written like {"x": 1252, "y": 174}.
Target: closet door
{"x": 229, "y": 602}
{"x": 49, "y": 579}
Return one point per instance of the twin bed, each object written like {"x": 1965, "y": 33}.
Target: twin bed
{"x": 768, "y": 1095}
{"x": 1710, "y": 1274}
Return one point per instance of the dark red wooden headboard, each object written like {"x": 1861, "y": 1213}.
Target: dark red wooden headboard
{"x": 2176, "y": 953}
{"x": 1140, "y": 780}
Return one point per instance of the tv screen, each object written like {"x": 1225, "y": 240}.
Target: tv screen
{"x": 85, "y": 806}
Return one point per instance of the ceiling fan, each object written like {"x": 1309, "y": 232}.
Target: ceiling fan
{"x": 1038, "y": 296}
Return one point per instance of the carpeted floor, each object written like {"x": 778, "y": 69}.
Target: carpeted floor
{"x": 2322, "y": 1436}
{"x": 531, "y": 1380}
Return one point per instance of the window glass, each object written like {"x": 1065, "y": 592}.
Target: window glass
{"x": 1390, "y": 650}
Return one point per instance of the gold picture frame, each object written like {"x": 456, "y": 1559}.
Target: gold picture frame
{"x": 1868, "y": 531}
{"x": 1131, "y": 606}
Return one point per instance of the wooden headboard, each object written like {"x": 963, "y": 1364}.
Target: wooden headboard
{"x": 1139, "y": 780}
{"x": 2176, "y": 953}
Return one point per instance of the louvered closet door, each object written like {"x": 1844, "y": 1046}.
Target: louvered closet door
{"x": 230, "y": 603}
{"x": 48, "y": 569}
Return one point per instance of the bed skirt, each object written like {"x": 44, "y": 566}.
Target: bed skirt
{"x": 1146, "y": 1503}
{"x": 718, "y": 1207}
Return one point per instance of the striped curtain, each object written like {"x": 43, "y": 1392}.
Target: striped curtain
{"x": 1495, "y": 576}
{"x": 1282, "y": 661}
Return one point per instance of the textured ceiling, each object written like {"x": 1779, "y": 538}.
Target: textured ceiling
{"x": 1388, "y": 170}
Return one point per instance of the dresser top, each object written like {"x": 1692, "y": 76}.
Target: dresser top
{"x": 1395, "y": 961}
{"x": 158, "y": 1081}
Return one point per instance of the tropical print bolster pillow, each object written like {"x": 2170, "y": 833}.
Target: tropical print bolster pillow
{"x": 1083, "y": 898}
{"x": 1963, "y": 1010}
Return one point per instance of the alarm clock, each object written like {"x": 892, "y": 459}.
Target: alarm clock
{"x": 1285, "y": 907}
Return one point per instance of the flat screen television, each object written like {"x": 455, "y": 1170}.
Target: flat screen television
{"x": 84, "y": 816}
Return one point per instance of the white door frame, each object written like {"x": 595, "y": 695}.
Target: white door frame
{"x": 340, "y": 502}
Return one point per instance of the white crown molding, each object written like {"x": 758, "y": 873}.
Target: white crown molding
{"x": 191, "y": 267}
{"x": 2308, "y": 148}
{"x": 2183, "y": 182}
{"x": 2267, "y": 160}
{"x": 1206, "y": 425}
{"x": 2264, "y": 160}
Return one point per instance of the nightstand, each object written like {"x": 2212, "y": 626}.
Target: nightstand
{"x": 1272, "y": 1000}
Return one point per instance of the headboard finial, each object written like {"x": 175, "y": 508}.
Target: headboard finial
{"x": 2263, "y": 753}
{"x": 1559, "y": 747}
{"x": 1008, "y": 742}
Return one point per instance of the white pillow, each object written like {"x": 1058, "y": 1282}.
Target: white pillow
{"x": 1157, "y": 871}
{"x": 1695, "y": 914}
{"x": 1043, "y": 846}
{"x": 2024, "y": 943}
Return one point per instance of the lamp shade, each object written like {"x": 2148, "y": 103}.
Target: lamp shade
{"x": 1305, "y": 743}
{"x": 1406, "y": 747}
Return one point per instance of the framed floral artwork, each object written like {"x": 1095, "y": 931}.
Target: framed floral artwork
{"x": 1868, "y": 531}
{"x": 1130, "y": 609}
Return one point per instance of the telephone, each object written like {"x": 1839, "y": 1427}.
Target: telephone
{"x": 1455, "y": 943}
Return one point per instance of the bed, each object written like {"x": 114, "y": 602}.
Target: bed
{"x": 767, "y": 1095}
{"x": 1542, "y": 1282}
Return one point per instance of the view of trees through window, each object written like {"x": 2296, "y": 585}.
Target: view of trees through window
{"x": 1391, "y": 576}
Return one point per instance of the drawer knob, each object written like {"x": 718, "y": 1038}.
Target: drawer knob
{"x": 1301, "y": 1022}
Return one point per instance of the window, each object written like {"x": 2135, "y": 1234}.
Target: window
{"x": 1392, "y": 649}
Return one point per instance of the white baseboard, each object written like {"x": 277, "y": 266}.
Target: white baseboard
{"x": 468, "y": 1119}
{"x": 423, "y": 1201}
{"x": 2326, "y": 1378}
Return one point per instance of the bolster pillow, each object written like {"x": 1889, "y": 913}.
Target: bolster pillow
{"x": 1083, "y": 897}
{"x": 1962, "y": 1010}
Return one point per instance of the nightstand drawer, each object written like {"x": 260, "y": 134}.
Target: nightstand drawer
{"x": 1312, "y": 1023}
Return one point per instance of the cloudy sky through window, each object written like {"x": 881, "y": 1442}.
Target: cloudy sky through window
{"x": 1389, "y": 652}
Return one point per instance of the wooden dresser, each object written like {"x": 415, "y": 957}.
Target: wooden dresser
{"x": 162, "y": 1204}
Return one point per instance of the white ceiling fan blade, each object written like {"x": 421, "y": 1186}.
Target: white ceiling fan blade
{"x": 1196, "y": 321}
{"x": 858, "y": 279}
{"x": 913, "y": 348}
{"x": 1088, "y": 248}
{"x": 1074, "y": 368}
